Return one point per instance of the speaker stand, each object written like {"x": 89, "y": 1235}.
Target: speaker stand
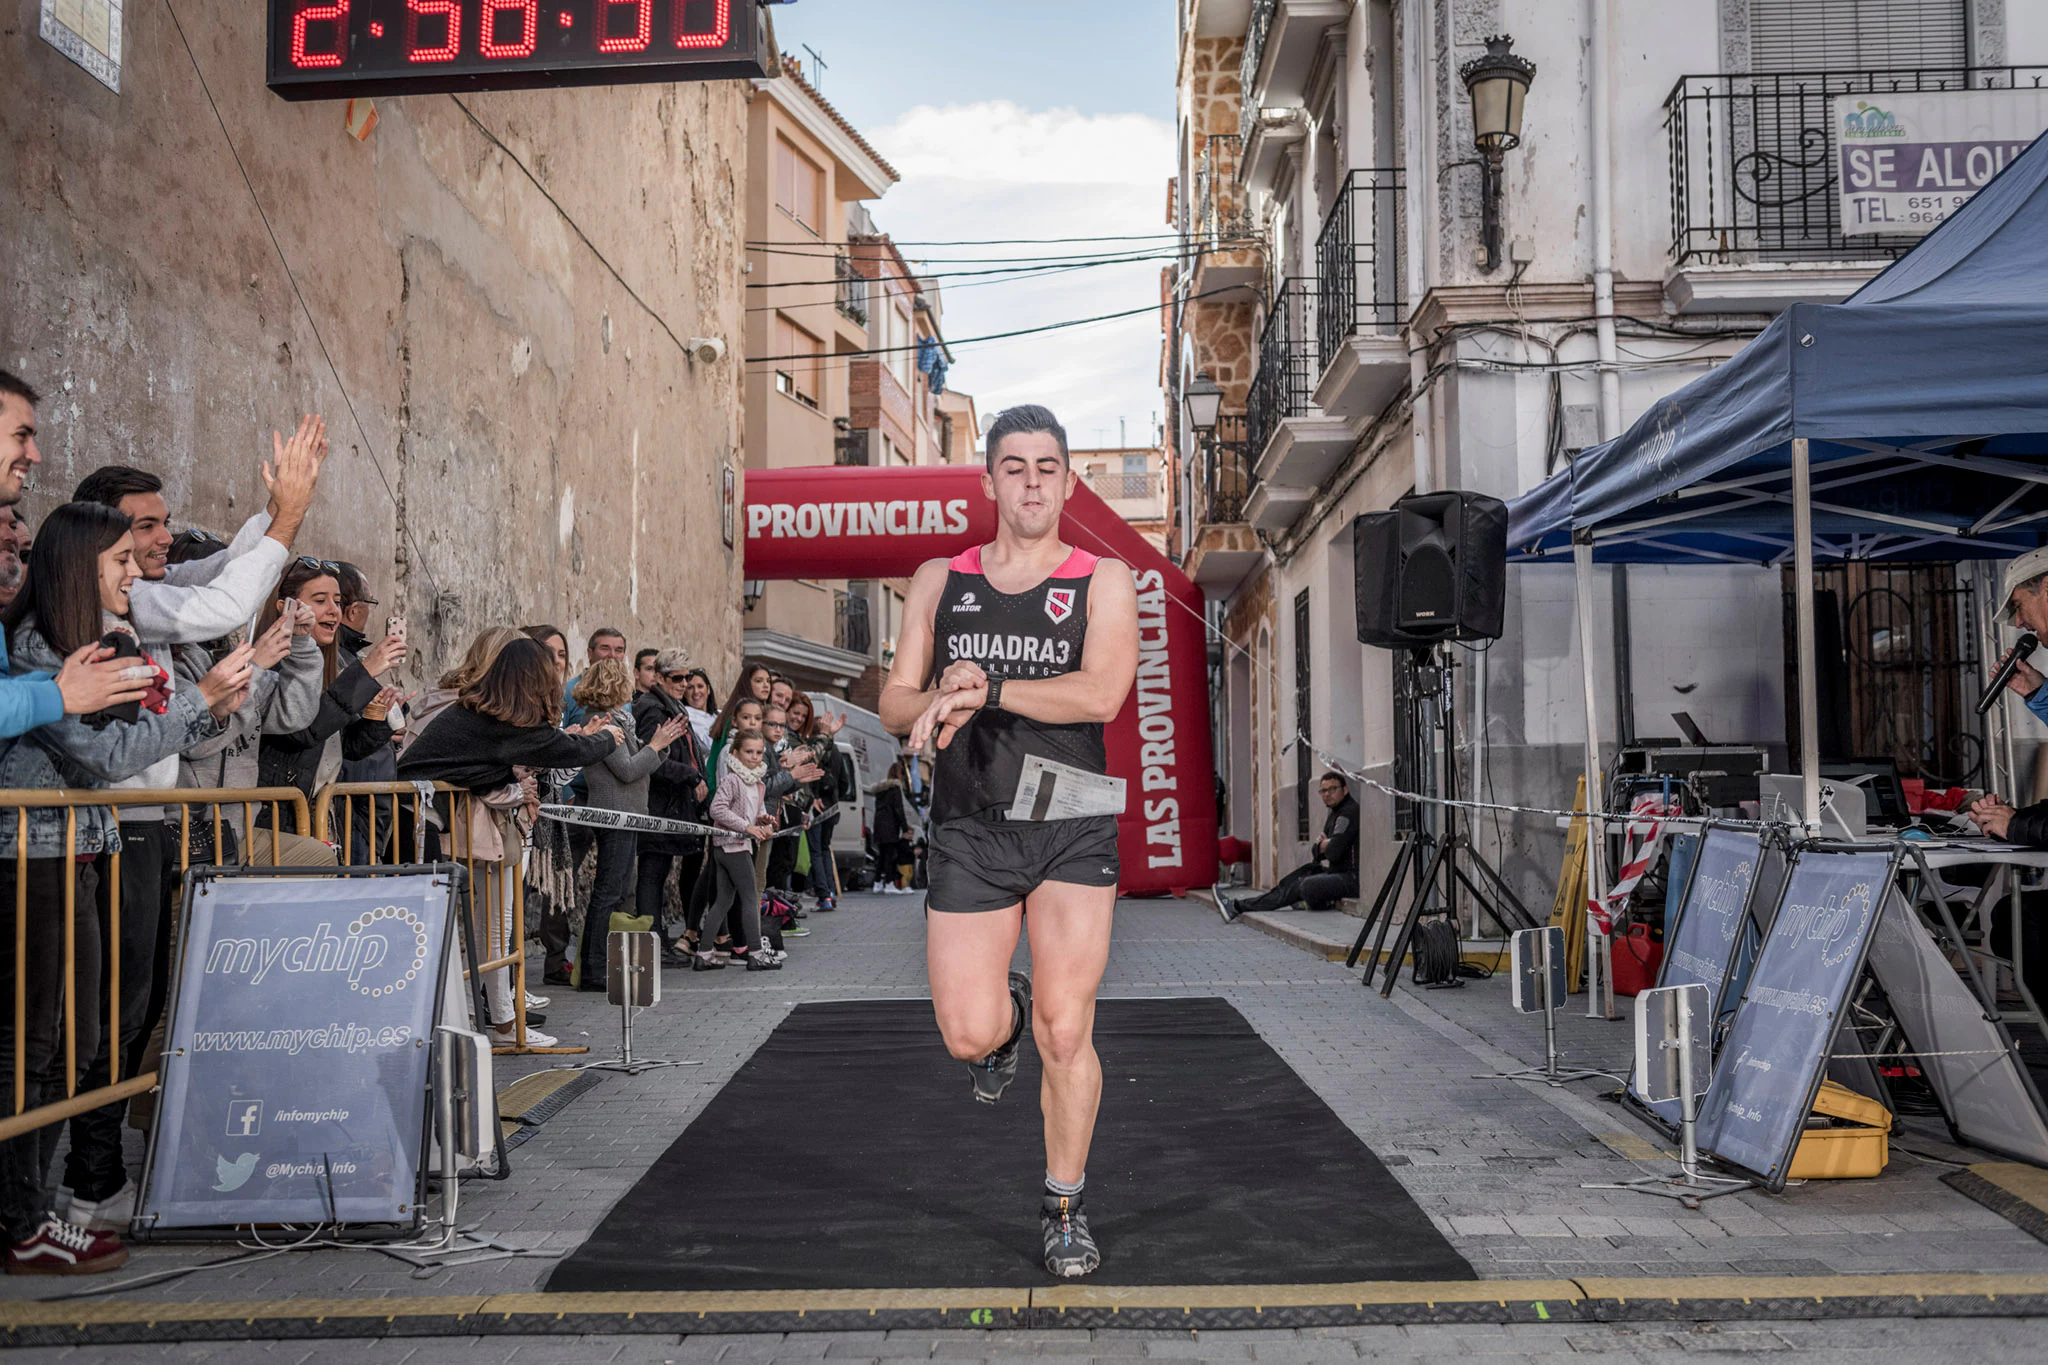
{"x": 1441, "y": 864}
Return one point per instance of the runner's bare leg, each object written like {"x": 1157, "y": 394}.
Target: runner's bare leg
{"x": 968, "y": 959}
{"x": 1069, "y": 927}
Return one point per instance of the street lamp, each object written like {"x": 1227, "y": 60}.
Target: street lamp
{"x": 1204, "y": 399}
{"x": 1497, "y": 83}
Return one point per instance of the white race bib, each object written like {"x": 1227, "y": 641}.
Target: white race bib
{"x": 1053, "y": 791}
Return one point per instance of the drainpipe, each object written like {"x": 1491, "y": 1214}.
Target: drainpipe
{"x": 1414, "y": 48}
{"x": 1603, "y": 223}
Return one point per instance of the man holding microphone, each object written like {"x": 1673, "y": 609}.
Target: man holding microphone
{"x": 2023, "y": 602}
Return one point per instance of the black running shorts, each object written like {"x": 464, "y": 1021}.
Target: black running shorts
{"x": 979, "y": 865}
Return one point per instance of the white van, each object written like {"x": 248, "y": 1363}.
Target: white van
{"x": 872, "y": 749}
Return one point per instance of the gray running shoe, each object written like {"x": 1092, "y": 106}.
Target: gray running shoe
{"x": 993, "y": 1073}
{"x": 1070, "y": 1250}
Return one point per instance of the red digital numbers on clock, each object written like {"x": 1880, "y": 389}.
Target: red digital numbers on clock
{"x": 450, "y": 46}
{"x": 715, "y": 36}
{"x": 528, "y": 23}
{"x": 609, "y": 39}
{"x": 302, "y": 53}
{"x": 436, "y": 32}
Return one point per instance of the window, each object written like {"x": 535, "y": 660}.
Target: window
{"x": 902, "y": 359}
{"x": 799, "y": 186}
{"x": 1830, "y": 35}
{"x": 799, "y": 377}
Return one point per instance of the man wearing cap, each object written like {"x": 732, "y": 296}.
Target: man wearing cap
{"x": 2023, "y": 599}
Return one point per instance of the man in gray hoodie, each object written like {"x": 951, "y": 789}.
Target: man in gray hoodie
{"x": 171, "y": 605}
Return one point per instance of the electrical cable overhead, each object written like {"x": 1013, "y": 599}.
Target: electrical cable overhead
{"x": 991, "y": 336}
{"x": 1021, "y": 241}
{"x": 1022, "y": 267}
{"x": 418, "y": 556}
{"x": 827, "y": 252}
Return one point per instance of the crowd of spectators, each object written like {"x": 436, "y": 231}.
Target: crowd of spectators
{"x": 135, "y": 658}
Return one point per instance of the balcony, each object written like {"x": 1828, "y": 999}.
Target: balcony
{"x": 1279, "y": 53}
{"x": 1221, "y": 546}
{"x": 852, "y": 290}
{"x": 850, "y": 622}
{"x": 1228, "y": 260}
{"x": 1293, "y": 444}
{"x": 1755, "y": 222}
{"x": 1361, "y": 352}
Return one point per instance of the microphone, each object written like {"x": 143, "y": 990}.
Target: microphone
{"x": 2007, "y": 666}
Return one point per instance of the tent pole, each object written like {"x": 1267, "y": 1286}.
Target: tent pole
{"x": 1802, "y": 598}
{"x": 1599, "y": 966}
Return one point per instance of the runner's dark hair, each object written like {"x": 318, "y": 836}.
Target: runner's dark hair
{"x": 1024, "y": 418}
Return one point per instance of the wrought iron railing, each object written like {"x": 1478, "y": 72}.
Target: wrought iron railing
{"x": 1752, "y": 159}
{"x": 850, "y": 622}
{"x": 1226, "y": 471}
{"x": 850, "y": 447}
{"x": 1287, "y": 363}
{"x": 1358, "y": 262}
{"x": 1223, "y": 207}
{"x": 1116, "y": 483}
{"x": 1255, "y": 33}
{"x": 852, "y": 289}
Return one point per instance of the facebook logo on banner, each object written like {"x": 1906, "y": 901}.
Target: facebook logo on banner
{"x": 245, "y": 1118}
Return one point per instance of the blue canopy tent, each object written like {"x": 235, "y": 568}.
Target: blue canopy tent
{"x": 1910, "y": 421}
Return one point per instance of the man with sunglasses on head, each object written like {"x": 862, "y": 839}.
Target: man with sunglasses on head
{"x": 170, "y": 605}
{"x": 677, "y": 790}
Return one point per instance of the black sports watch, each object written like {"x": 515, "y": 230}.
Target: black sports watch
{"x": 995, "y": 694}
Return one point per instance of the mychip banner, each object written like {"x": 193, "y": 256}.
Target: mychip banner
{"x": 1772, "y": 1059}
{"x": 1905, "y": 162}
{"x": 296, "y": 1069}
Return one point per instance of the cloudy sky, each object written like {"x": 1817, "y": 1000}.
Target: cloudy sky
{"x": 1039, "y": 120}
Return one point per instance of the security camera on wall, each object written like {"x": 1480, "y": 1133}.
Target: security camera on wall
{"x": 709, "y": 350}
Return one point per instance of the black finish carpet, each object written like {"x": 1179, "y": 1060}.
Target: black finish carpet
{"x": 847, "y": 1153}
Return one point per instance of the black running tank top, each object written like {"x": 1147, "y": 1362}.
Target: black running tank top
{"x": 1036, "y": 633}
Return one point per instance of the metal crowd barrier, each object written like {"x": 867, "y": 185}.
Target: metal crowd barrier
{"x": 183, "y": 800}
{"x": 497, "y": 888}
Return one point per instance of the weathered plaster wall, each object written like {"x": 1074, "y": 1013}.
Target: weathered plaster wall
{"x": 526, "y": 442}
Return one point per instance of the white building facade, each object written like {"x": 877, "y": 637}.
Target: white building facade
{"x": 1669, "y": 195}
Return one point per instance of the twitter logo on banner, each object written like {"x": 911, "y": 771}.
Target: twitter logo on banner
{"x": 232, "y": 1175}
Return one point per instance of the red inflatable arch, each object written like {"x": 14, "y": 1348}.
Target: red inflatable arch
{"x": 883, "y": 523}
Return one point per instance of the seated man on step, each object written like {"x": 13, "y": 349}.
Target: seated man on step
{"x": 1328, "y": 877}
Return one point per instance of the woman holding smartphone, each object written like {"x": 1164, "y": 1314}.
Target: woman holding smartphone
{"x": 75, "y": 592}
{"x": 354, "y": 706}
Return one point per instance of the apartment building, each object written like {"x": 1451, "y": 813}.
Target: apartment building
{"x": 811, "y": 175}
{"x": 1378, "y": 305}
{"x": 1136, "y": 483}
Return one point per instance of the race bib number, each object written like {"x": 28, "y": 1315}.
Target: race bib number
{"x": 1054, "y": 791}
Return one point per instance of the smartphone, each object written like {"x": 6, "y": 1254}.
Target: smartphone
{"x": 124, "y": 646}
{"x": 395, "y": 625}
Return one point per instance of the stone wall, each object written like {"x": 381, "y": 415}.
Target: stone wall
{"x": 516, "y": 434}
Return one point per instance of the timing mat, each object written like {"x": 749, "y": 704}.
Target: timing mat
{"x": 848, "y": 1153}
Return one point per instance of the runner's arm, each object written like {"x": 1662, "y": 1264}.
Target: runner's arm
{"x": 905, "y": 696}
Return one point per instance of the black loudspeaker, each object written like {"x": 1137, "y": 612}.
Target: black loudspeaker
{"x": 1433, "y": 567}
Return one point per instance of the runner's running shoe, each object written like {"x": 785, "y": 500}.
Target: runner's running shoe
{"x": 1070, "y": 1250}
{"x": 993, "y": 1073}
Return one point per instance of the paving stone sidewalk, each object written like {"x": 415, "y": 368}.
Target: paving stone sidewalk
{"x": 1497, "y": 1164}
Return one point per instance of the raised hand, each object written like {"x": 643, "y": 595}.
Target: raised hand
{"x": 92, "y": 680}
{"x": 228, "y": 678}
{"x": 275, "y": 643}
{"x": 668, "y": 732}
{"x": 961, "y": 675}
{"x": 388, "y": 653}
{"x": 291, "y": 474}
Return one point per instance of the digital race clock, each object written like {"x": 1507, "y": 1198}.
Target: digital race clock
{"x": 328, "y": 49}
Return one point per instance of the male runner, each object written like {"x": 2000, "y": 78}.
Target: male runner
{"x": 1014, "y": 654}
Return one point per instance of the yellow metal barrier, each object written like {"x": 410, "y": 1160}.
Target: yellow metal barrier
{"x": 497, "y": 888}
{"x": 182, "y": 799}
